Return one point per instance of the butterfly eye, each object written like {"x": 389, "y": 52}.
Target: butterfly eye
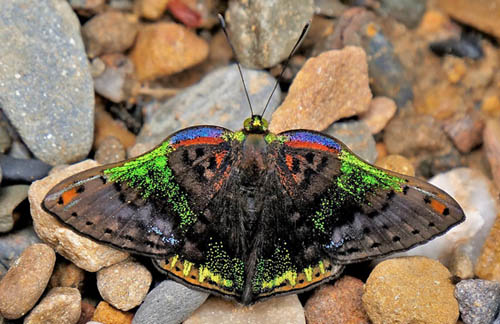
{"x": 247, "y": 124}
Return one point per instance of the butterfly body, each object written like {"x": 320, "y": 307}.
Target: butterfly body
{"x": 252, "y": 214}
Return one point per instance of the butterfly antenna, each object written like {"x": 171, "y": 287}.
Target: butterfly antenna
{"x": 294, "y": 49}
{"x": 223, "y": 25}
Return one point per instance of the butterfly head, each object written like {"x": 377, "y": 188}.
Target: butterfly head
{"x": 256, "y": 125}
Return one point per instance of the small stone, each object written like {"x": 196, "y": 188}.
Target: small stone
{"x": 124, "y": 285}
{"x": 491, "y": 138}
{"x": 488, "y": 264}
{"x": 66, "y": 274}
{"x": 441, "y": 101}
{"x": 13, "y": 244}
{"x": 107, "y": 314}
{"x": 264, "y": 35}
{"x": 329, "y": 87}
{"x": 109, "y": 32}
{"x": 381, "y": 110}
{"x": 113, "y": 82}
{"x": 337, "y": 304}
{"x": 61, "y": 305}
{"x": 478, "y": 300}
{"x": 410, "y": 290}
{"x": 357, "y": 136}
{"x": 481, "y": 14}
{"x": 150, "y": 9}
{"x": 466, "y": 131}
{"x": 276, "y": 310}
{"x": 169, "y": 303}
{"x": 397, "y": 163}
{"x": 218, "y": 99}
{"x": 107, "y": 126}
{"x": 110, "y": 150}
{"x": 460, "y": 264}
{"x": 10, "y": 198}
{"x": 330, "y": 8}
{"x": 46, "y": 86}
{"x": 163, "y": 48}
{"x": 409, "y": 12}
{"x": 87, "y": 313}
{"x": 26, "y": 280}
{"x": 5, "y": 140}
{"x": 22, "y": 170}
{"x": 86, "y": 4}
{"x": 491, "y": 106}
{"x": 83, "y": 252}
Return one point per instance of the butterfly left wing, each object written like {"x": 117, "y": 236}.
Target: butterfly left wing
{"x": 357, "y": 211}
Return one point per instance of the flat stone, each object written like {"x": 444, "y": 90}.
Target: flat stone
{"x": 218, "y": 99}
{"x": 61, "y": 305}
{"x": 357, "y": 136}
{"x": 46, "y": 86}
{"x": 380, "y": 112}
{"x": 337, "y": 304}
{"x": 26, "y": 280}
{"x": 478, "y": 300}
{"x": 410, "y": 290}
{"x": 396, "y": 163}
{"x": 264, "y": 35}
{"x": 124, "y": 285}
{"x": 83, "y": 252}
{"x": 10, "y": 198}
{"x": 491, "y": 138}
{"x": 107, "y": 314}
{"x": 169, "y": 303}
{"x": 23, "y": 170}
{"x": 329, "y": 87}
{"x": 280, "y": 310}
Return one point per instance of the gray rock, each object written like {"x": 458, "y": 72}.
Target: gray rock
{"x": 14, "y": 243}
{"x": 218, "y": 99}
{"x": 46, "y": 89}
{"x": 357, "y": 136}
{"x": 10, "y": 198}
{"x": 409, "y": 12}
{"x": 23, "y": 170}
{"x": 264, "y": 32}
{"x": 5, "y": 140}
{"x": 19, "y": 151}
{"x": 478, "y": 300}
{"x": 169, "y": 303}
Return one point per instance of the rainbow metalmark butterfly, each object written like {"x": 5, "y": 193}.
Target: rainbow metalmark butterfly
{"x": 252, "y": 214}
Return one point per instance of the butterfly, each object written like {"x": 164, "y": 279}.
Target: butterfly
{"x": 251, "y": 214}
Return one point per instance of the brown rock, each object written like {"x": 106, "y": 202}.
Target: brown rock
{"x": 162, "y": 49}
{"x": 491, "y": 139}
{"x": 60, "y": 306}
{"x": 88, "y": 311}
{"x": 150, "y": 9}
{"x": 380, "y": 112}
{"x": 488, "y": 264}
{"x": 482, "y": 14}
{"x": 465, "y": 131}
{"x": 491, "y": 106}
{"x": 109, "y": 32}
{"x": 275, "y": 310}
{"x": 83, "y": 252}
{"x": 26, "y": 280}
{"x": 396, "y": 163}
{"x": 460, "y": 263}
{"x": 66, "y": 274}
{"x": 441, "y": 101}
{"x": 110, "y": 150}
{"x": 331, "y": 86}
{"x": 106, "y": 126}
{"x": 124, "y": 285}
{"x": 410, "y": 290}
{"x": 107, "y": 314}
{"x": 116, "y": 82}
{"x": 337, "y": 304}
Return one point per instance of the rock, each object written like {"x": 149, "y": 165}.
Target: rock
{"x": 460, "y": 264}
{"x": 491, "y": 106}
{"x": 109, "y": 32}
{"x": 107, "y": 314}
{"x": 47, "y": 91}
{"x": 187, "y": 12}
{"x": 491, "y": 138}
{"x": 87, "y": 313}
{"x": 466, "y": 131}
{"x": 441, "y": 101}
{"x": 330, "y": 8}
{"x": 478, "y": 300}
{"x": 164, "y": 48}
{"x": 66, "y": 274}
{"x": 169, "y": 303}
{"x": 110, "y": 150}
{"x": 217, "y": 100}
{"x": 60, "y": 306}
{"x": 276, "y": 310}
{"x": 124, "y": 285}
{"x": 10, "y": 198}
{"x": 83, "y": 252}
{"x": 26, "y": 280}
{"x": 5, "y": 140}
{"x": 86, "y": 4}
{"x": 409, "y": 12}
{"x": 410, "y": 290}
{"x": 488, "y": 264}
{"x": 150, "y": 9}
{"x": 397, "y": 163}
{"x": 460, "y": 47}
{"x": 19, "y": 151}
{"x": 482, "y": 14}
{"x": 357, "y": 136}
{"x": 13, "y": 244}
{"x": 337, "y": 304}
{"x": 263, "y": 34}
{"x": 472, "y": 191}
{"x": 113, "y": 82}
{"x": 329, "y": 87}
{"x": 107, "y": 126}
{"x": 22, "y": 170}
{"x": 380, "y": 112}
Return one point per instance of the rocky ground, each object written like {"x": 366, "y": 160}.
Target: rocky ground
{"x": 409, "y": 85}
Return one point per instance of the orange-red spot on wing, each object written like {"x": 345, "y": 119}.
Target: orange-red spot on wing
{"x": 437, "y": 206}
{"x": 289, "y": 161}
{"x": 309, "y": 145}
{"x": 69, "y": 195}
{"x": 219, "y": 157}
{"x": 200, "y": 140}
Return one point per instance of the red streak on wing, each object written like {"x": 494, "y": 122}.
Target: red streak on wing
{"x": 199, "y": 140}
{"x": 309, "y": 145}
